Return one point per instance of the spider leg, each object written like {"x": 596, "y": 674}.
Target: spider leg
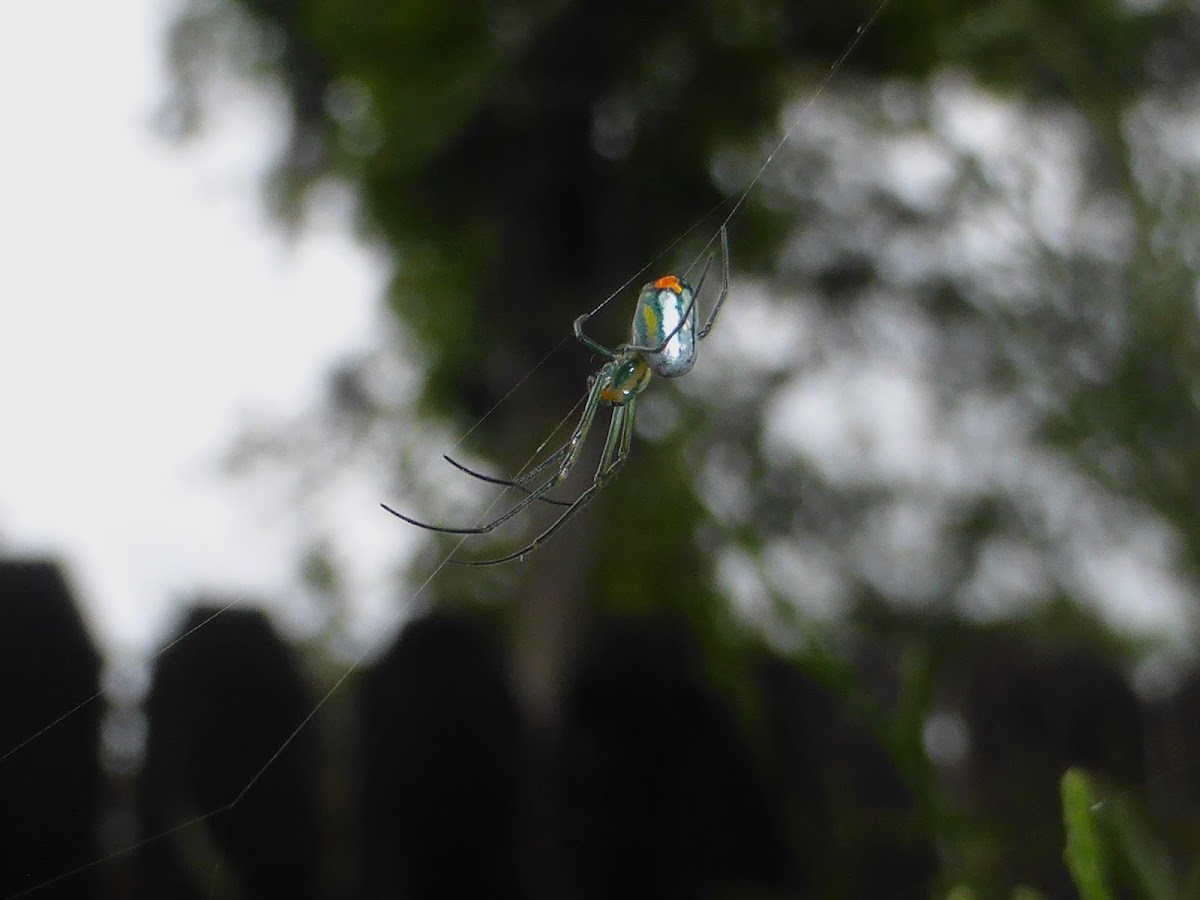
{"x": 524, "y": 478}
{"x": 589, "y": 342}
{"x": 491, "y": 479}
{"x": 704, "y": 272}
{"x": 616, "y": 449}
{"x": 569, "y": 454}
{"x": 687, "y": 314}
{"x": 521, "y": 481}
{"x": 712, "y": 316}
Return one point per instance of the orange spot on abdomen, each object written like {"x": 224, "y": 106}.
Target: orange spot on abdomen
{"x": 670, "y": 283}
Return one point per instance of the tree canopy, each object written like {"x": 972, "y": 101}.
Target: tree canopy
{"x": 953, "y": 398}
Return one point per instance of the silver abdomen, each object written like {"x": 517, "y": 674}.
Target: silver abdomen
{"x": 660, "y": 308}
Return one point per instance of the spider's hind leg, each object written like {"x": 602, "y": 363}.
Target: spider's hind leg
{"x": 616, "y": 449}
{"x": 566, "y": 456}
{"x": 518, "y": 484}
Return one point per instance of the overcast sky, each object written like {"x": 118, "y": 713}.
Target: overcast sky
{"x": 148, "y": 310}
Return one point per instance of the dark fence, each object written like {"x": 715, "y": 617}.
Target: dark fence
{"x": 421, "y": 778}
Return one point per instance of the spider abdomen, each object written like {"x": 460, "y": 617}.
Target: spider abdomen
{"x": 661, "y": 307}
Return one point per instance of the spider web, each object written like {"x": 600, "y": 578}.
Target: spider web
{"x": 906, "y": 395}
{"x": 407, "y": 609}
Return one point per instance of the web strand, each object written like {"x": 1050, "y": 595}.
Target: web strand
{"x": 375, "y": 644}
{"x": 407, "y": 606}
{"x": 742, "y": 195}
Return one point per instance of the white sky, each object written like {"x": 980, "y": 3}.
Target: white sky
{"x": 145, "y": 310}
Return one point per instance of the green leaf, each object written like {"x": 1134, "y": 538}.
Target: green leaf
{"x": 1083, "y": 853}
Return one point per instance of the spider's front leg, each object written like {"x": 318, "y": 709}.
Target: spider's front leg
{"x": 712, "y": 316}
{"x": 567, "y": 455}
{"x": 590, "y": 343}
{"x": 616, "y": 449}
{"x": 519, "y": 483}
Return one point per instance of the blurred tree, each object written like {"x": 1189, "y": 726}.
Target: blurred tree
{"x": 969, "y": 387}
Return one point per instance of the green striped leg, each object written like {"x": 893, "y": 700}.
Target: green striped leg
{"x": 616, "y": 449}
{"x": 568, "y": 453}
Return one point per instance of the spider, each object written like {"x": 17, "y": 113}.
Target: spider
{"x": 663, "y": 342}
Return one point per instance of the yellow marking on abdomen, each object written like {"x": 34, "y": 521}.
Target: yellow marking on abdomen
{"x": 651, "y": 319}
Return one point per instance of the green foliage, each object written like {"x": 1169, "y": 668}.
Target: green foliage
{"x": 1109, "y": 843}
{"x": 1083, "y": 851}
{"x": 1027, "y": 326}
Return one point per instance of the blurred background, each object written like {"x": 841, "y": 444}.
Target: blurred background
{"x": 920, "y": 531}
